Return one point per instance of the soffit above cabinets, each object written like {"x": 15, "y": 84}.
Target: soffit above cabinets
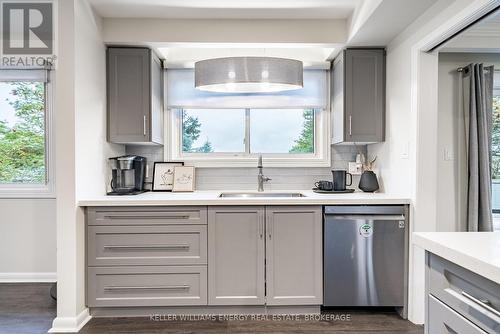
{"x": 256, "y": 24}
{"x": 311, "y": 56}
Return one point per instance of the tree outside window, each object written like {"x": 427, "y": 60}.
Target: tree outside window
{"x": 22, "y": 133}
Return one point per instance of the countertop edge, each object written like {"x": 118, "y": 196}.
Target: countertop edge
{"x": 472, "y": 263}
{"x": 229, "y": 202}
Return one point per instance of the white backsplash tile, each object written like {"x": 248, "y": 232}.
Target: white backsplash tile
{"x": 246, "y": 178}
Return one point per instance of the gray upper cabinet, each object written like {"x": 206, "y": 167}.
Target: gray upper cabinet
{"x": 135, "y": 103}
{"x": 358, "y": 96}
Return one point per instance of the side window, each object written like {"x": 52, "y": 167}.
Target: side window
{"x": 24, "y": 137}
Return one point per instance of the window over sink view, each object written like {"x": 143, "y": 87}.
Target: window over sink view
{"x": 247, "y": 131}
{"x": 286, "y": 127}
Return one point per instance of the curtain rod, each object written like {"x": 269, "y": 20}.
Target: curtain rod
{"x": 461, "y": 69}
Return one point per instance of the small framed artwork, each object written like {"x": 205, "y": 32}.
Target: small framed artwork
{"x": 183, "y": 178}
{"x": 163, "y": 175}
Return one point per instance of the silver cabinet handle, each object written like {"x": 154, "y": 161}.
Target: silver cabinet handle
{"x": 350, "y": 125}
{"x": 261, "y": 228}
{"x": 144, "y": 125}
{"x": 166, "y": 247}
{"x": 367, "y": 217}
{"x": 159, "y": 287}
{"x": 269, "y": 229}
{"x": 146, "y": 217}
{"x": 482, "y": 303}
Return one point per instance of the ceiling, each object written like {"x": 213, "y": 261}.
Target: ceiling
{"x": 483, "y": 36}
{"x": 226, "y": 9}
{"x": 489, "y": 26}
{"x": 366, "y": 23}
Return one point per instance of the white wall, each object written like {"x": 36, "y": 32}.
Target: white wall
{"x": 451, "y": 139}
{"x": 92, "y": 149}
{"x": 408, "y": 159}
{"x": 28, "y": 240}
{"x": 81, "y": 149}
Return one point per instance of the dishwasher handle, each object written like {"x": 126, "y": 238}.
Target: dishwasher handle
{"x": 367, "y": 217}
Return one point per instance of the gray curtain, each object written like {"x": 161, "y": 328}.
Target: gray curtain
{"x": 477, "y": 88}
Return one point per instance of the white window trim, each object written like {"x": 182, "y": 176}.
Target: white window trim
{"x": 321, "y": 157}
{"x": 47, "y": 190}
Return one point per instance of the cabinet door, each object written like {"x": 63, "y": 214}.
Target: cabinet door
{"x": 236, "y": 255}
{"x": 294, "y": 255}
{"x": 364, "y": 91}
{"x": 337, "y": 100}
{"x": 129, "y": 95}
{"x": 156, "y": 124}
{"x": 444, "y": 320}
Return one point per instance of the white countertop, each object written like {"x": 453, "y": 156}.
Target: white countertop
{"x": 212, "y": 198}
{"x": 478, "y": 252}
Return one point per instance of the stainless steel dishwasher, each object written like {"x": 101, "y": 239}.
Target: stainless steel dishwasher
{"x": 364, "y": 256}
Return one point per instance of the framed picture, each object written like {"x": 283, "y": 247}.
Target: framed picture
{"x": 163, "y": 175}
{"x": 183, "y": 178}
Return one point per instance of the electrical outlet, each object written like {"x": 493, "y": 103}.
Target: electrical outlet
{"x": 405, "y": 152}
{"x": 449, "y": 155}
{"x": 355, "y": 168}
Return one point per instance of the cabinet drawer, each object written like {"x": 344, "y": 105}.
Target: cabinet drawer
{"x": 146, "y": 286}
{"x": 146, "y": 215}
{"x": 443, "y": 320}
{"x": 146, "y": 245}
{"x": 474, "y": 297}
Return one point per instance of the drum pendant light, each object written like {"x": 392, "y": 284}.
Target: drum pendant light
{"x": 248, "y": 74}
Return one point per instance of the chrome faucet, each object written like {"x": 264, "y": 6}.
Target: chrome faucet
{"x": 261, "y": 178}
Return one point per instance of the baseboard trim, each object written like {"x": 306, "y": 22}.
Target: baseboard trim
{"x": 70, "y": 324}
{"x": 137, "y": 311}
{"x": 28, "y": 277}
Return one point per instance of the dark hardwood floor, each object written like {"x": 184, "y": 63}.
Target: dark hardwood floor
{"x": 27, "y": 308}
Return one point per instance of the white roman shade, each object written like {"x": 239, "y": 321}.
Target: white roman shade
{"x": 181, "y": 93}
{"x": 24, "y": 74}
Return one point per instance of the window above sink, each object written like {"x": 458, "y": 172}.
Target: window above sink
{"x": 288, "y": 129}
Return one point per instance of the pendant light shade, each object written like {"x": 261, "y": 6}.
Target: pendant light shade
{"x": 248, "y": 74}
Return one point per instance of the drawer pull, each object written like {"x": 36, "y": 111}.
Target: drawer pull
{"x": 159, "y": 287}
{"x": 482, "y": 303}
{"x": 164, "y": 247}
{"x": 146, "y": 217}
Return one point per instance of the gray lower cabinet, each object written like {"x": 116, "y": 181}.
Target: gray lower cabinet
{"x": 189, "y": 215}
{"x": 146, "y": 286}
{"x": 445, "y": 320}
{"x": 458, "y": 300}
{"x": 135, "y": 90}
{"x": 146, "y": 245}
{"x": 236, "y": 255}
{"x": 358, "y": 96}
{"x": 294, "y": 267}
{"x": 146, "y": 256}
{"x": 265, "y": 255}
{"x": 220, "y": 255}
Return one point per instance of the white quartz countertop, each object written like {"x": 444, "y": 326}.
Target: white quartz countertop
{"x": 478, "y": 252}
{"x": 212, "y": 198}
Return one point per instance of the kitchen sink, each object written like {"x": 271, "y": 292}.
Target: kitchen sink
{"x": 264, "y": 194}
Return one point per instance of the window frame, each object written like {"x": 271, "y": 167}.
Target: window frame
{"x": 47, "y": 190}
{"x": 320, "y": 158}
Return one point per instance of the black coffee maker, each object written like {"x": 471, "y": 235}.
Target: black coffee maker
{"x": 127, "y": 175}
